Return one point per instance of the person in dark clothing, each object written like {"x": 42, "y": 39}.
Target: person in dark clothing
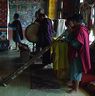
{"x": 17, "y": 30}
{"x": 45, "y": 37}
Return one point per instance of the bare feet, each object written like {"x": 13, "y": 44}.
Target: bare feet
{"x": 69, "y": 83}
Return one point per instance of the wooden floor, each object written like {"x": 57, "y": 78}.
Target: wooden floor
{"x": 21, "y": 86}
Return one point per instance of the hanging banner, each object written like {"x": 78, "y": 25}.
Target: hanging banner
{"x": 3, "y": 20}
{"x": 3, "y": 13}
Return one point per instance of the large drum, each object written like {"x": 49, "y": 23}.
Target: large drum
{"x": 31, "y": 32}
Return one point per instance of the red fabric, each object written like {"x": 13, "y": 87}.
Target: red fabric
{"x": 86, "y": 78}
{"x": 83, "y": 37}
{"x": 3, "y": 13}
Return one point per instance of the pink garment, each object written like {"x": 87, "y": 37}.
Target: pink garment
{"x": 84, "y": 52}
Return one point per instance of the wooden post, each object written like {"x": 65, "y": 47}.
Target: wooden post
{"x": 52, "y": 9}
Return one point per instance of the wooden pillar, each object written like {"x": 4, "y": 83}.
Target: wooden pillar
{"x": 52, "y": 9}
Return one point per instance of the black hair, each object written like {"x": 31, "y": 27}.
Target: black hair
{"x": 76, "y": 17}
{"x": 16, "y": 15}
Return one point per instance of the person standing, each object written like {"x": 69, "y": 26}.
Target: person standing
{"x": 44, "y": 37}
{"x": 17, "y": 30}
{"x": 78, "y": 50}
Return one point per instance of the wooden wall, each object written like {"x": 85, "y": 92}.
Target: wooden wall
{"x": 70, "y": 7}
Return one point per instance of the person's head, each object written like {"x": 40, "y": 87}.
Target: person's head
{"x": 41, "y": 16}
{"x": 39, "y": 13}
{"x": 41, "y": 10}
{"x": 16, "y": 16}
{"x": 76, "y": 19}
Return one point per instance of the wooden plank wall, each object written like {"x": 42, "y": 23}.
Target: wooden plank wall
{"x": 70, "y": 7}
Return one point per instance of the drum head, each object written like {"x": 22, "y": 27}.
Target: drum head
{"x": 31, "y": 32}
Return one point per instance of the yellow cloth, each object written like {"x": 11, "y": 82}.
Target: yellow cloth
{"x": 60, "y": 59}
